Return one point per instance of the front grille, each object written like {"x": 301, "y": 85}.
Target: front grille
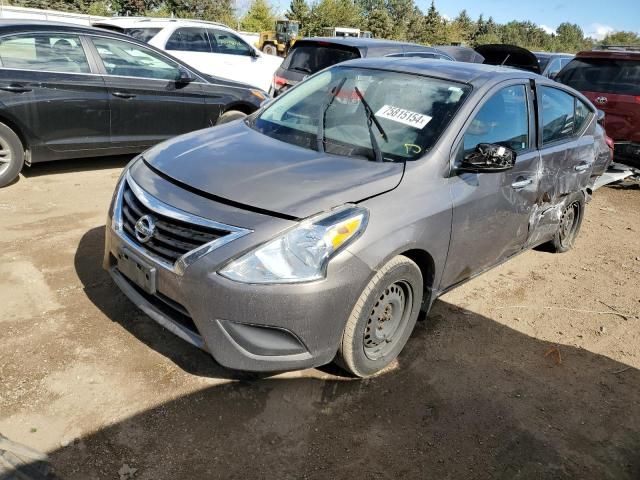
{"x": 172, "y": 238}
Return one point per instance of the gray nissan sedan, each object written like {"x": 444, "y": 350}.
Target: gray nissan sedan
{"x": 319, "y": 227}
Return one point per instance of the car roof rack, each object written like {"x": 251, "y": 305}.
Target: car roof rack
{"x": 618, "y": 48}
{"x": 167, "y": 19}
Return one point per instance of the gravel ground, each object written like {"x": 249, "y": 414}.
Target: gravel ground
{"x": 529, "y": 371}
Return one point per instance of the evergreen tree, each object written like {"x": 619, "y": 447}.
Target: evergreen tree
{"x": 299, "y": 10}
{"x": 259, "y": 17}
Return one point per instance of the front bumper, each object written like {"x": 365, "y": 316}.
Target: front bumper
{"x": 245, "y": 327}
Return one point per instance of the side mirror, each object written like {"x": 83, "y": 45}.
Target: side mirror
{"x": 600, "y": 116}
{"x": 488, "y": 158}
{"x": 253, "y": 53}
{"x": 184, "y": 76}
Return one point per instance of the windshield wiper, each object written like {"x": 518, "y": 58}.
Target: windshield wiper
{"x": 371, "y": 119}
{"x": 323, "y": 113}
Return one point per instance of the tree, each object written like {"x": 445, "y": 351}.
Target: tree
{"x": 332, "y": 13}
{"x": 400, "y": 12}
{"x": 259, "y": 17}
{"x": 569, "y": 38}
{"x": 621, "y": 38}
{"x": 213, "y": 10}
{"x": 299, "y": 10}
{"x": 379, "y": 23}
{"x": 463, "y": 27}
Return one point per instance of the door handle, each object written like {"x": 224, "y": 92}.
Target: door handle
{"x": 521, "y": 183}
{"x": 125, "y": 95}
{"x": 581, "y": 167}
{"x": 16, "y": 88}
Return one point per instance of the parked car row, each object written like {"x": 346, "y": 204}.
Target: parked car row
{"x": 68, "y": 91}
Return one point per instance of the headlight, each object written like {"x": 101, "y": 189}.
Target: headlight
{"x": 302, "y": 253}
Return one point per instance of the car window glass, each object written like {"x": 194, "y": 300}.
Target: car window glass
{"x": 554, "y": 67}
{"x": 313, "y": 58}
{"x": 502, "y": 120}
{"x": 413, "y": 111}
{"x": 582, "y": 115}
{"x": 422, "y": 55}
{"x": 48, "y": 52}
{"x": 130, "y": 60}
{"x": 603, "y": 75}
{"x": 189, "y": 40}
{"x": 142, "y": 34}
{"x": 557, "y": 114}
{"x": 230, "y": 44}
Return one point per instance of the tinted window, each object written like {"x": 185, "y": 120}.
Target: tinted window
{"x": 582, "y": 115}
{"x": 130, "y": 60}
{"x": 142, "y": 34}
{"x": 412, "y": 110}
{"x": 543, "y": 61}
{"x": 502, "y": 120}
{"x": 604, "y": 75}
{"x": 54, "y": 53}
{"x": 554, "y": 67}
{"x": 189, "y": 40}
{"x": 557, "y": 114}
{"x": 313, "y": 58}
{"x": 228, "y": 43}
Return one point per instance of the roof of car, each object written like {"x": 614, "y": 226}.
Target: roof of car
{"x": 11, "y": 25}
{"x": 472, "y": 73}
{"x": 127, "y": 22}
{"x": 552, "y": 54}
{"x": 610, "y": 53}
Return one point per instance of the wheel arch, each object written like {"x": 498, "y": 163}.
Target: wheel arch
{"x": 427, "y": 267}
{"x": 20, "y": 133}
{"x": 240, "y": 107}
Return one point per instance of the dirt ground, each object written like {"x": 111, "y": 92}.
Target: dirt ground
{"x": 530, "y": 371}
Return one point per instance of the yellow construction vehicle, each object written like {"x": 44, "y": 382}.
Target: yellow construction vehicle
{"x": 280, "y": 40}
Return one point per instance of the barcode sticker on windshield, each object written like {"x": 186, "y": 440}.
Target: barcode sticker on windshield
{"x": 413, "y": 119}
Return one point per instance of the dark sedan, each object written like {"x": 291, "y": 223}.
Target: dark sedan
{"x": 68, "y": 91}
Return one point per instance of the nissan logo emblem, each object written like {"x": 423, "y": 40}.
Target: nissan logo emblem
{"x": 145, "y": 228}
{"x": 601, "y": 100}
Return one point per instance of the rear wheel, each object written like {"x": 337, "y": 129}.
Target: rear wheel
{"x": 382, "y": 319}
{"x": 11, "y": 155}
{"x": 570, "y": 221}
{"x": 270, "y": 49}
{"x": 230, "y": 116}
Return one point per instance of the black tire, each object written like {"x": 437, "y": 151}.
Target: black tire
{"x": 570, "y": 222}
{"x": 11, "y": 155}
{"x": 382, "y": 319}
{"x": 270, "y": 49}
{"x": 230, "y": 116}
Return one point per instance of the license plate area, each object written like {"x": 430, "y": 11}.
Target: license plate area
{"x": 137, "y": 270}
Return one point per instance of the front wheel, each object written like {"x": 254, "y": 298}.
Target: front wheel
{"x": 382, "y": 319}
{"x": 270, "y": 49}
{"x": 570, "y": 221}
{"x": 11, "y": 155}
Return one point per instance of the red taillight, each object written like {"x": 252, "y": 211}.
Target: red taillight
{"x": 279, "y": 81}
{"x": 638, "y": 99}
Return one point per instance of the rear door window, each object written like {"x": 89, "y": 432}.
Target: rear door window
{"x": 313, "y": 58}
{"x": 604, "y": 75}
{"x": 229, "y": 44}
{"x": 189, "y": 40}
{"x": 48, "y": 52}
{"x": 558, "y": 115}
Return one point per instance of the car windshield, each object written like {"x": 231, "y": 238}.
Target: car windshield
{"x": 327, "y": 113}
{"x": 604, "y": 75}
{"x": 543, "y": 61}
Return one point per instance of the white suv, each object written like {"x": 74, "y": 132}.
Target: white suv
{"x": 212, "y": 48}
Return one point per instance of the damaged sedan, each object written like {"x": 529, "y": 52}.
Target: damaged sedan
{"x": 317, "y": 229}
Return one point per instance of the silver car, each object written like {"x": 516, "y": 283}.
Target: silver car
{"x": 318, "y": 228}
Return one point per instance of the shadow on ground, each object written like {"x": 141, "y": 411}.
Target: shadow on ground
{"x": 471, "y": 398}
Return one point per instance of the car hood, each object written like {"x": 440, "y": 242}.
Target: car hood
{"x": 235, "y": 164}
{"x": 509, "y": 56}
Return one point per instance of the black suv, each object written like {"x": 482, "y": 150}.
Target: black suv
{"x": 310, "y": 55}
{"x": 68, "y": 91}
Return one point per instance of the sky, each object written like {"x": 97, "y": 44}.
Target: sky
{"x": 596, "y": 17}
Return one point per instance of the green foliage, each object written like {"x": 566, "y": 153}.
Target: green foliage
{"x": 259, "y": 17}
{"x": 395, "y": 19}
{"x": 622, "y": 38}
